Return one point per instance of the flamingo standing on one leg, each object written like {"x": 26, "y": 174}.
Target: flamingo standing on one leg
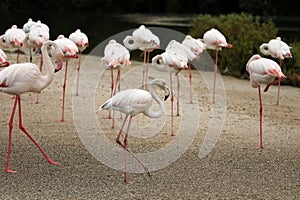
{"x": 82, "y": 42}
{"x": 3, "y": 59}
{"x": 133, "y": 102}
{"x": 197, "y": 47}
{"x": 214, "y": 39}
{"x": 115, "y": 56}
{"x": 172, "y": 62}
{"x": 26, "y": 77}
{"x": 277, "y": 49}
{"x": 14, "y": 38}
{"x": 143, "y": 39}
{"x": 69, "y": 48}
{"x": 263, "y": 70}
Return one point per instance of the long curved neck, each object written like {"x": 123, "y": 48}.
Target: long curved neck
{"x": 48, "y": 77}
{"x": 155, "y": 113}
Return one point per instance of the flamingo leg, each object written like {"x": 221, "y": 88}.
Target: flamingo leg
{"x": 144, "y": 69}
{"x": 118, "y": 85}
{"x": 260, "y": 119}
{"x": 148, "y": 60}
{"x": 10, "y": 138}
{"x": 78, "y": 69}
{"x": 172, "y": 105}
{"x": 111, "y": 89}
{"x": 215, "y": 77}
{"x": 278, "y": 93}
{"x": 30, "y": 55}
{"x": 190, "y": 70}
{"x": 18, "y": 55}
{"x": 125, "y": 147}
{"x": 178, "y": 89}
{"x": 64, "y": 94}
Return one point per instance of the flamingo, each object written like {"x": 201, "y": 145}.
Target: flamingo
{"x": 197, "y": 47}
{"x": 22, "y": 78}
{"x": 14, "y": 38}
{"x": 133, "y": 102}
{"x": 115, "y": 56}
{"x": 173, "y": 61}
{"x": 144, "y": 40}
{"x": 277, "y": 49}
{"x": 82, "y": 42}
{"x": 263, "y": 70}
{"x": 69, "y": 48}
{"x": 215, "y": 40}
{"x": 3, "y": 59}
{"x": 28, "y": 25}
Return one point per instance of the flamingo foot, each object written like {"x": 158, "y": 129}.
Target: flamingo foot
{"x": 172, "y": 134}
{"x": 52, "y": 162}
{"x": 10, "y": 171}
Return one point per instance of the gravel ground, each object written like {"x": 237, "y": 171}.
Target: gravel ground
{"x": 235, "y": 168}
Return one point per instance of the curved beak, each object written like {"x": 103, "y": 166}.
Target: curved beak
{"x": 167, "y": 93}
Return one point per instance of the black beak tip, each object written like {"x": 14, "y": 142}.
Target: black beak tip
{"x": 166, "y": 97}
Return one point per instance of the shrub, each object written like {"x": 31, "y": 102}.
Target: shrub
{"x": 245, "y": 32}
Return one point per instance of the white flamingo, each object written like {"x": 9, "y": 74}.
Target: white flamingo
{"x": 196, "y": 46}
{"x": 115, "y": 56}
{"x": 215, "y": 40}
{"x": 263, "y": 71}
{"x": 82, "y": 42}
{"x": 133, "y": 102}
{"x": 173, "y": 60}
{"x": 277, "y": 49}
{"x": 13, "y": 38}
{"x": 22, "y": 78}
{"x": 144, "y": 40}
{"x": 69, "y": 48}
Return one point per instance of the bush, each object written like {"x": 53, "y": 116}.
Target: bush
{"x": 245, "y": 32}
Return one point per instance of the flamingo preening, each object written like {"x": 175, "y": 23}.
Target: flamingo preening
{"x": 22, "y": 78}
{"x": 115, "y": 56}
{"x": 215, "y": 40}
{"x": 69, "y": 48}
{"x": 144, "y": 40}
{"x": 133, "y": 102}
{"x": 13, "y": 38}
{"x": 82, "y": 42}
{"x": 3, "y": 59}
{"x": 196, "y": 46}
{"x": 173, "y": 60}
{"x": 277, "y": 49}
{"x": 263, "y": 71}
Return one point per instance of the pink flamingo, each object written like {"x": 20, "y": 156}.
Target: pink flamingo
{"x": 21, "y": 78}
{"x": 144, "y": 40}
{"x": 215, "y": 40}
{"x": 133, "y": 102}
{"x": 173, "y": 61}
{"x": 82, "y": 42}
{"x": 196, "y": 46}
{"x": 28, "y": 25}
{"x": 3, "y": 59}
{"x": 14, "y": 38}
{"x": 70, "y": 50}
{"x": 115, "y": 56}
{"x": 263, "y": 70}
{"x": 277, "y": 49}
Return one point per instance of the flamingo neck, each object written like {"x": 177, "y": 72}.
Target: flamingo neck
{"x": 151, "y": 112}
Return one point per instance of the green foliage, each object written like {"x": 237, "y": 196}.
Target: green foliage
{"x": 291, "y": 67}
{"x": 245, "y": 32}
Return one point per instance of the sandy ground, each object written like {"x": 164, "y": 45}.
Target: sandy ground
{"x": 235, "y": 168}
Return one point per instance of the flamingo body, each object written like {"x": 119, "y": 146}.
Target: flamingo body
{"x": 215, "y": 40}
{"x": 3, "y": 59}
{"x": 80, "y": 39}
{"x": 276, "y": 48}
{"x": 14, "y": 37}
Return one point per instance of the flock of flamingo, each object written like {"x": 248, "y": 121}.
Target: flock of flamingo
{"x": 20, "y": 78}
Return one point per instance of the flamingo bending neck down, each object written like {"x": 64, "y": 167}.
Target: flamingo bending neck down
{"x": 133, "y": 102}
{"x": 3, "y": 59}
{"x": 22, "y": 78}
{"x": 263, "y": 71}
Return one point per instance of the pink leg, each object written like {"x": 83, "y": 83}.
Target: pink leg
{"x": 148, "y": 61}
{"x": 111, "y": 89}
{"x": 125, "y": 147}
{"x": 260, "y": 119}
{"x": 215, "y": 77}
{"x": 78, "y": 69}
{"x": 10, "y": 138}
{"x": 191, "y": 96}
{"x": 172, "y": 105}
{"x": 145, "y": 63}
{"x": 118, "y": 84}
{"x": 278, "y": 93}
{"x": 178, "y": 89}
{"x": 64, "y": 94}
